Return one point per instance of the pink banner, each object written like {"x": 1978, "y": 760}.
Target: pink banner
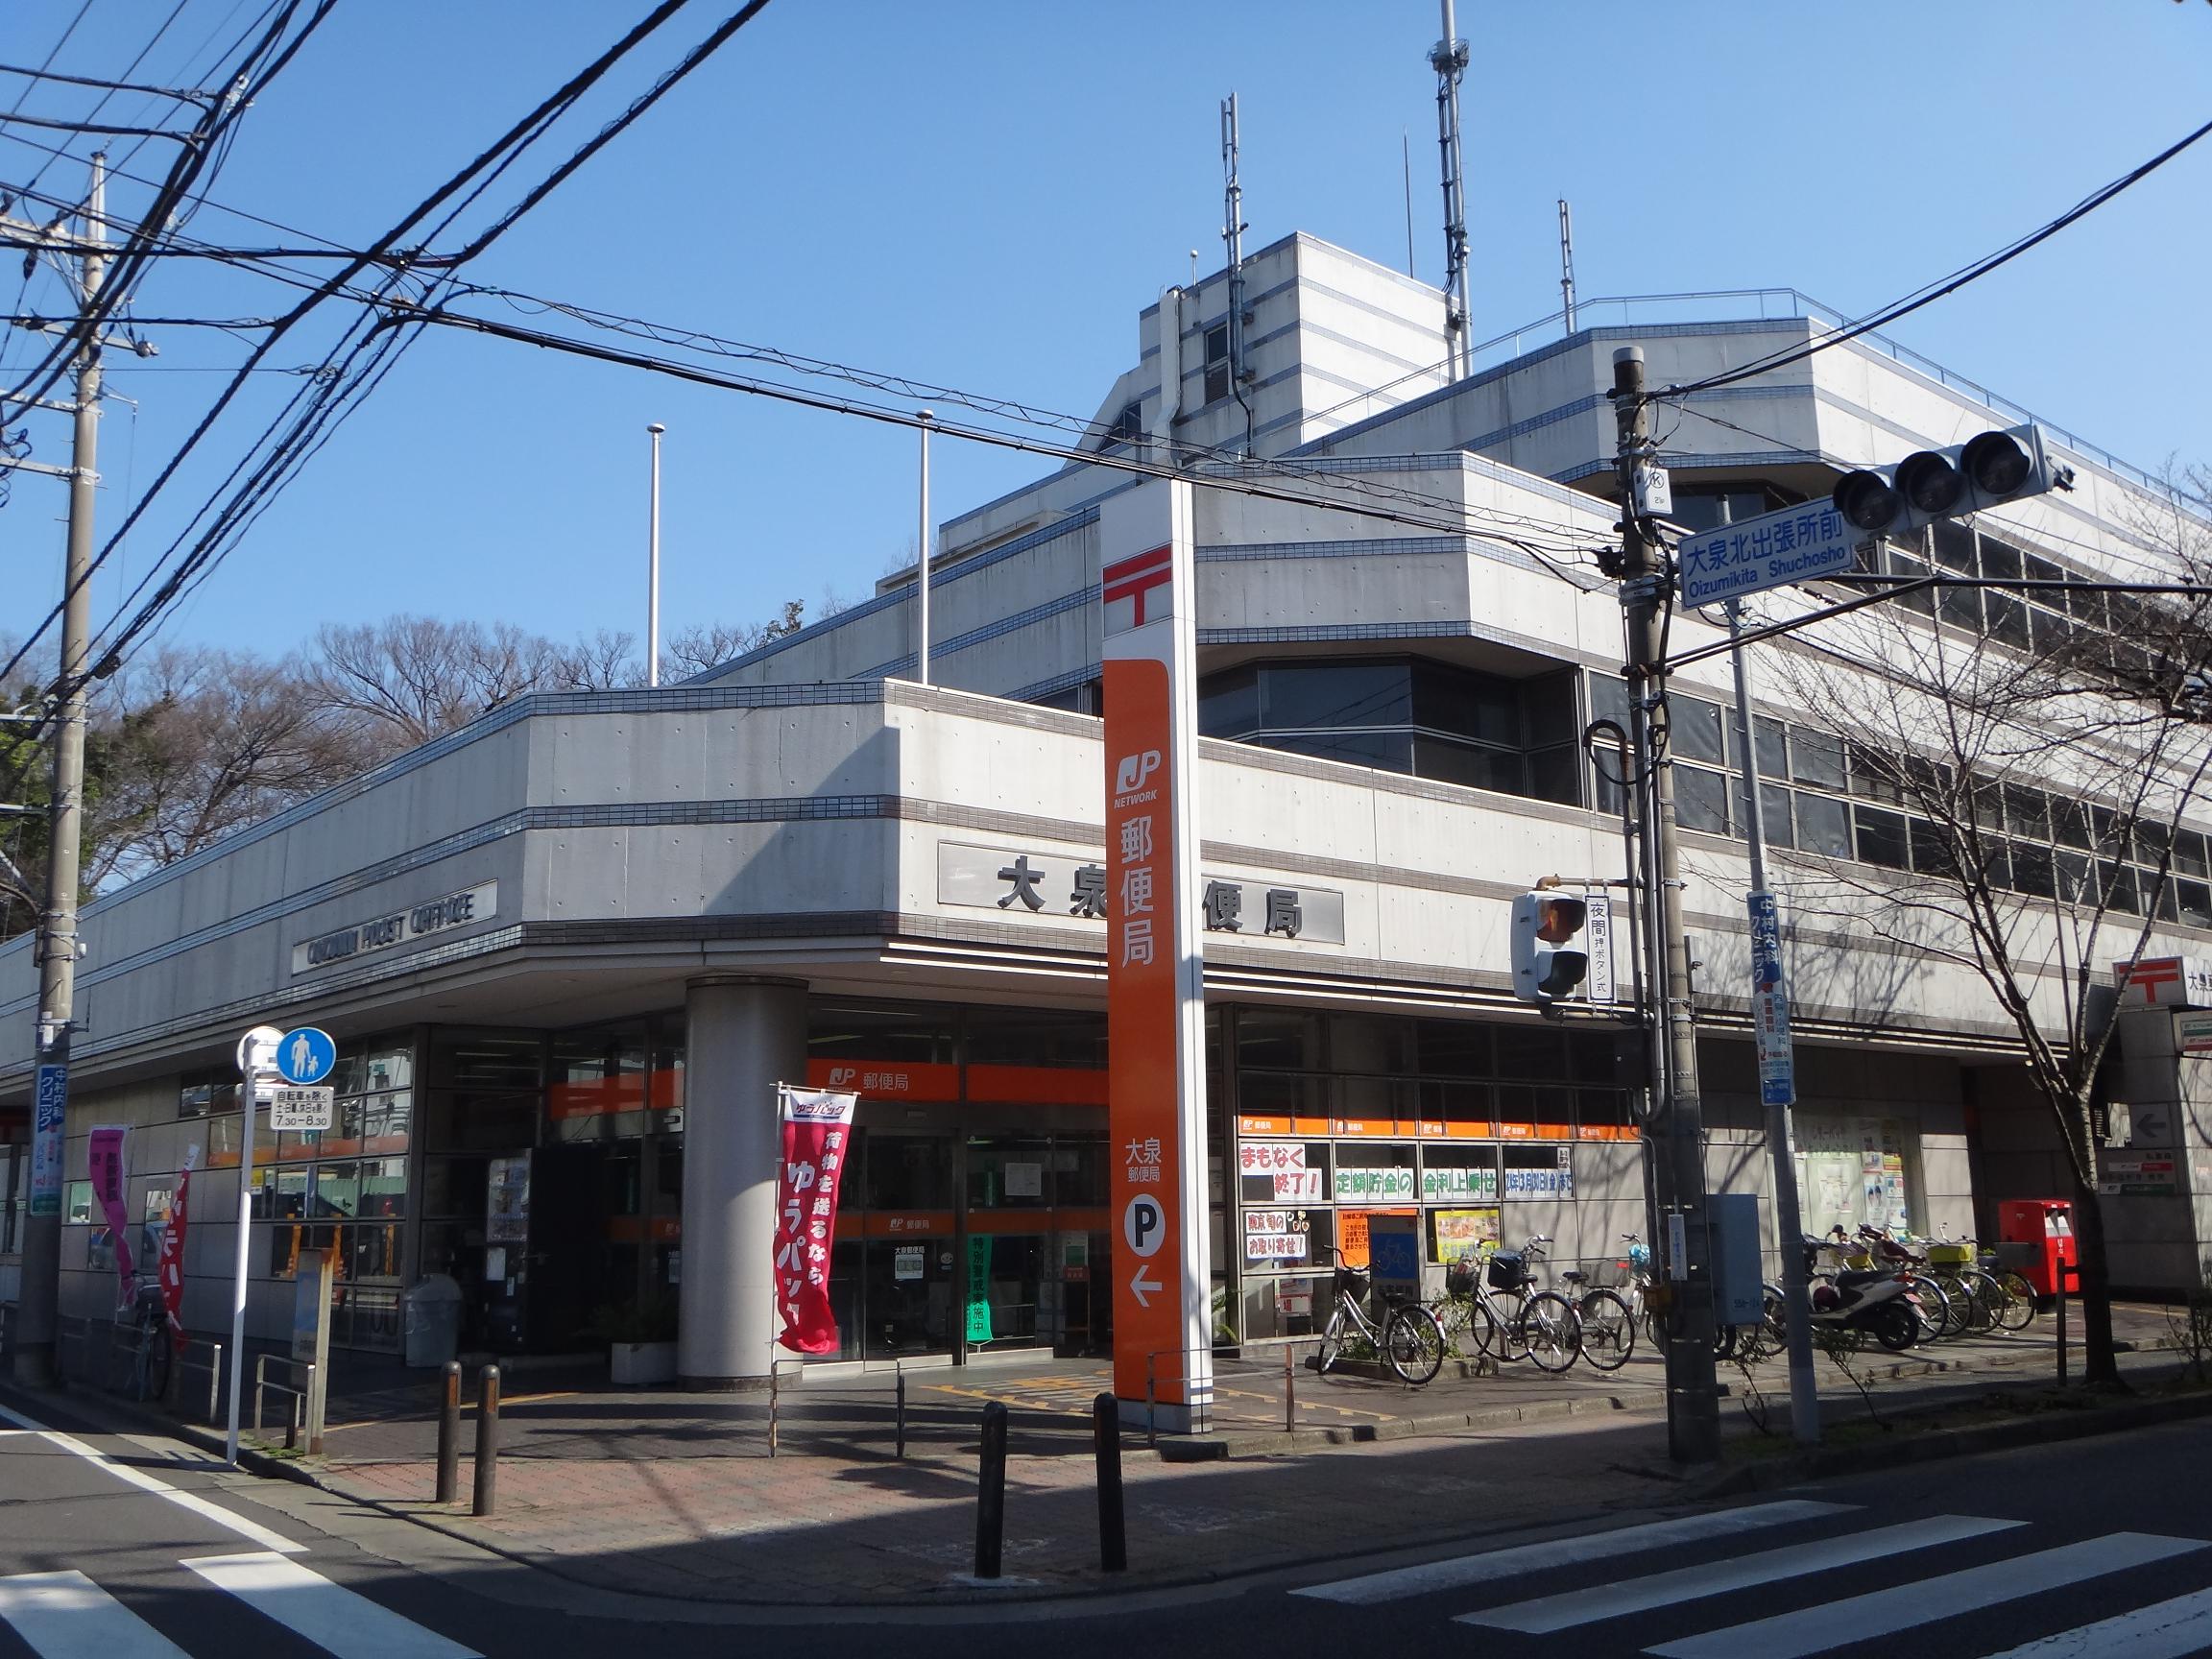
{"x": 105, "y": 1165}
{"x": 169, "y": 1266}
{"x": 817, "y": 1124}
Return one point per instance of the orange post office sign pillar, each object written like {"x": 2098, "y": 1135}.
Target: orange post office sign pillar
{"x": 1155, "y": 995}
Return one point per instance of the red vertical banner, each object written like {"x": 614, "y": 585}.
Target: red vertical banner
{"x": 104, "y": 1164}
{"x": 1155, "y": 1004}
{"x": 169, "y": 1266}
{"x": 817, "y": 1127}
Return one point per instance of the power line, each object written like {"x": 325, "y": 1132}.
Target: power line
{"x": 1930, "y": 293}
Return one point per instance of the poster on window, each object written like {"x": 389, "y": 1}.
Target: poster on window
{"x": 105, "y": 1163}
{"x": 816, "y": 1123}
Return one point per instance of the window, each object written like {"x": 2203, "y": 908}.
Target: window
{"x": 1701, "y": 800}
{"x": 1881, "y": 838}
{"x": 1816, "y": 758}
{"x": 1695, "y": 732}
{"x": 1218, "y": 363}
{"x": 1128, "y": 426}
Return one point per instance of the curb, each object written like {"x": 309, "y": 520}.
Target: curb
{"x": 1267, "y": 1443}
{"x": 1940, "y": 1444}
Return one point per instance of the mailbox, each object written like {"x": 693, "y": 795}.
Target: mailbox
{"x": 2035, "y": 1239}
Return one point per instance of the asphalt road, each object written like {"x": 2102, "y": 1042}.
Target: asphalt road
{"x": 117, "y": 1547}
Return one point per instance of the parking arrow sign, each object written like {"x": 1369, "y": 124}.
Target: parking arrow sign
{"x": 1142, "y": 1286}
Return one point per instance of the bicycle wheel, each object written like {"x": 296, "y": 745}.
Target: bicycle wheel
{"x": 153, "y": 1371}
{"x": 1512, "y": 1336}
{"x": 1609, "y": 1331}
{"x": 2019, "y": 1300}
{"x": 1939, "y": 1315}
{"x": 1480, "y": 1335}
{"x": 1549, "y": 1331}
{"x": 1413, "y": 1343}
{"x": 1984, "y": 1300}
{"x": 1331, "y": 1341}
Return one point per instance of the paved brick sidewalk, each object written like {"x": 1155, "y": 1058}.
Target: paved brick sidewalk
{"x": 670, "y": 1494}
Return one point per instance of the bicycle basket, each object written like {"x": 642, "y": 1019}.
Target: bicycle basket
{"x": 1459, "y": 1278}
{"x": 1950, "y": 1255}
{"x": 1507, "y": 1271}
{"x": 1353, "y": 1282}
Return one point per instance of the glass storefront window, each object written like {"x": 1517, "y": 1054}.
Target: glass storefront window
{"x": 1009, "y": 1173}
{"x": 848, "y": 1031}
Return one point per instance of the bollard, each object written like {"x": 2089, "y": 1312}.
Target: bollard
{"x": 991, "y": 1493}
{"x": 2058, "y": 1281}
{"x": 449, "y": 1435}
{"x": 1290, "y": 1392}
{"x": 902, "y": 1369}
{"x": 488, "y": 1444}
{"x": 1151, "y": 1406}
{"x": 1113, "y": 1529}
{"x": 774, "y": 1384}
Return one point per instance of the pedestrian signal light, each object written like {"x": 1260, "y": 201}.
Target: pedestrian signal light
{"x": 1547, "y": 964}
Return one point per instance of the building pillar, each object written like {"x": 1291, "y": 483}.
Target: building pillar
{"x": 745, "y": 1035}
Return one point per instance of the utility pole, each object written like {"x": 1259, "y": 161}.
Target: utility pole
{"x": 1693, "y": 1401}
{"x": 39, "y": 1302}
{"x": 654, "y": 430}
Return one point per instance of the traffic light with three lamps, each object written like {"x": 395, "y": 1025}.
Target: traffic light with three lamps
{"x": 1549, "y": 961}
{"x": 1983, "y": 472}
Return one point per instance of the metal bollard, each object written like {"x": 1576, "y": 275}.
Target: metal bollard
{"x": 1151, "y": 1403}
{"x": 1290, "y": 1392}
{"x": 775, "y": 1376}
{"x": 486, "y": 1444}
{"x": 2058, "y": 1281}
{"x": 449, "y": 1434}
{"x": 1112, "y": 1528}
{"x": 902, "y": 1410}
{"x": 991, "y": 1493}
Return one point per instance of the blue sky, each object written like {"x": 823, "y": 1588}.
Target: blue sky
{"x": 985, "y": 195}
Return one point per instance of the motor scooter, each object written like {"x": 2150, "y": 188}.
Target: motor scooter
{"x": 1879, "y": 1302}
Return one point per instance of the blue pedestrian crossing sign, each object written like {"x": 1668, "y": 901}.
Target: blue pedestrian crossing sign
{"x": 306, "y": 1055}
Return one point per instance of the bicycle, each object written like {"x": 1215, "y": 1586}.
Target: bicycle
{"x": 1409, "y": 1339}
{"x": 2001, "y": 1299}
{"x": 1607, "y": 1319}
{"x": 141, "y": 1370}
{"x": 1541, "y": 1325}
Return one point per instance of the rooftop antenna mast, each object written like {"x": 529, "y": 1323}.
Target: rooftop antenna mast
{"x": 1449, "y": 59}
{"x": 1567, "y": 264}
{"x": 1233, "y": 228}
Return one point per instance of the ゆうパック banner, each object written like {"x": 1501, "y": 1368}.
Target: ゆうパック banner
{"x": 104, "y": 1160}
{"x": 817, "y": 1131}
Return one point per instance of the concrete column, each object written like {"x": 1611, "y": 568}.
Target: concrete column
{"x": 745, "y": 1035}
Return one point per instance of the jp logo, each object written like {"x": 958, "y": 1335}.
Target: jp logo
{"x": 1130, "y": 775}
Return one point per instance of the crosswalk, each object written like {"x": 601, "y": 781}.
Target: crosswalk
{"x": 65, "y": 1615}
{"x": 1851, "y": 1581}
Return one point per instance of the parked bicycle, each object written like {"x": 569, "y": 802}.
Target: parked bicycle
{"x": 1407, "y": 1338}
{"x": 1502, "y": 1308}
{"x": 1607, "y": 1317}
{"x": 140, "y": 1358}
{"x": 1997, "y": 1298}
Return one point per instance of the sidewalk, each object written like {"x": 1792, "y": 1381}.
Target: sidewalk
{"x": 668, "y": 1494}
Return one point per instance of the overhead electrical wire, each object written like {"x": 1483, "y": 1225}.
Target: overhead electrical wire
{"x": 330, "y": 396}
{"x": 1930, "y": 292}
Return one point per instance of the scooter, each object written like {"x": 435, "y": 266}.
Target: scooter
{"x": 1879, "y": 1302}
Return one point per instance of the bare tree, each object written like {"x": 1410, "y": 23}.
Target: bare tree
{"x": 410, "y": 679}
{"x": 2024, "y": 772}
{"x": 606, "y": 661}
{"x": 708, "y": 646}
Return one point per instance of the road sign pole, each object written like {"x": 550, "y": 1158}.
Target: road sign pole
{"x": 1770, "y": 1022}
{"x": 256, "y": 1050}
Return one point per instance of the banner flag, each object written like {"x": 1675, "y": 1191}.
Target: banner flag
{"x": 105, "y": 1159}
{"x": 169, "y": 1266}
{"x": 817, "y": 1127}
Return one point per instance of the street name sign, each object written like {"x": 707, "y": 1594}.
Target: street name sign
{"x": 1792, "y": 545}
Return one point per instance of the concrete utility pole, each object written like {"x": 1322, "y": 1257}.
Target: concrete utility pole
{"x": 1693, "y": 1401}
{"x": 923, "y": 535}
{"x": 39, "y": 1296}
{"x": 653, "y": 562}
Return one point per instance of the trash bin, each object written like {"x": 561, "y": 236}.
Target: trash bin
{"x": 433, "y": 1321}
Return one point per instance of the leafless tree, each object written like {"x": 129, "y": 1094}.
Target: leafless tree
{"x": 410, "y": 679}
{"x": 705, "y": 645}
{"x": 2036, "y": 765}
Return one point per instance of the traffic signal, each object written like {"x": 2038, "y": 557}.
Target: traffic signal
{"x": 1547, "y": 967}
{"x": 1981, "y": 472}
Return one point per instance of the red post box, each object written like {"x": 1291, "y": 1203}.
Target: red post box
{"x": 2035, "y": 1237}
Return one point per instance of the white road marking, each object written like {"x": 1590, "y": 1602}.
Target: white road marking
{"x": 1434, "y": 1576}
{"x": 66, "y": 1616}
{"x": 1595, "y": 1601}
{"x": 2163, "y": 1630}
{"x": 1902, "y": 1607}
{"x": 251, "y": 1530}
{"x": 328, "y": 1615}
{"x": 20, "y": 1421}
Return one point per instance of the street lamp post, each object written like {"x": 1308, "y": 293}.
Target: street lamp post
{"x": 653, "y": 565}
